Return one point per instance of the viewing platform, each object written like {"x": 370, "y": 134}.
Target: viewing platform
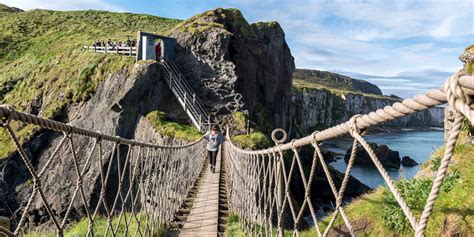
{"x": 128, "y": 51}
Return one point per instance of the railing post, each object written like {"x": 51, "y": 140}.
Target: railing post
{"x": 185, "y": 107}
{"x": 280, "y": 182}
{"x": 200, "y": 121}
{"x": 194, "y": 98}
{"x": 130, "y": 52}
{"x": 280, "y": 197}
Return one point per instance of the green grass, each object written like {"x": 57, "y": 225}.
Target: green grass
{"x": 233, "y": 226}
{"x": 255, "y": 140}
{"x": 453, "y": 213}
{"x": 240, "y": 119}
{"x": 453, "y": 210}
{"x": 234, "y": 229}
{"x": 81, "y": 227}
{"x": 41, "y": 55}
{"x": 300, "y": 84}
{"x": 169, "y": 128}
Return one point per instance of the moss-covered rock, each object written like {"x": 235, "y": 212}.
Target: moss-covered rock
{"x": 254, "y": 141}
{"x": 467, "y": 57}
{"x": 172, "y": 129}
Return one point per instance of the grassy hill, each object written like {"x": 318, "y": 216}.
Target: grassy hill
{"x": 41, "y": 57}
{"x": 335, "y": 81}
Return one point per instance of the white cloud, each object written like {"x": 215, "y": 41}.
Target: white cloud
{"x": 444, "y": 29}
{"x": 63, "y": 5}
{"x": 383, "y": 38}
{"x": 370, "y": 37}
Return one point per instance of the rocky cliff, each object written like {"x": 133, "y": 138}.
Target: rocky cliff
{"x": 118, "y": 107}
{"x": 234, "y": 65}
{"x": 315, "y": 108}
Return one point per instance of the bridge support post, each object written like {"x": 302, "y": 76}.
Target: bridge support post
{"x": 280, "y": 182}
{"x": 185, "y": 107}
{"x": 280, "y": 197}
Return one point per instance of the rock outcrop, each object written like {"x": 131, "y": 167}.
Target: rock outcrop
{"x": 408, "y": 161}
{"x": 117, "y": 107}
{"x": 387, "y": 157}
{"x": 234, "y": 65}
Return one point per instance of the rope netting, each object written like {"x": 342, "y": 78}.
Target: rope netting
{"x": 260, "y": 181}
{"x": 142, "y": 185}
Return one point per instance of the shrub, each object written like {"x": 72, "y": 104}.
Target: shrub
{"x": 415, "y": 192}
{"x": 240, "y": 119}
{"x": 255, "y": 140}
{"x": 172, "y": 129}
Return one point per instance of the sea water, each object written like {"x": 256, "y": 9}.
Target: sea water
{"x": 419, "y": 145}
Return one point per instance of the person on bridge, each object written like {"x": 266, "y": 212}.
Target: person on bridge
{"x": 214, "y": 140}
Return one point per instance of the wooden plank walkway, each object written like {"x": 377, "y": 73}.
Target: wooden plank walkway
{"x": 203, "y": 219}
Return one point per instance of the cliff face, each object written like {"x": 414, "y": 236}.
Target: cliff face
{"x": 234, "y": 65}
{"x": 118, "y": 108}
{"x": 320, "y": 108}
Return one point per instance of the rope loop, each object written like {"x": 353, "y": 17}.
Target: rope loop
{"x": 293, "y": 147}
{"x": 314, "y": 134}
{"x": 5, "y": 120}
{"x": 69, "y": 129}
{"x": 457, "y": 98}
{"x": 353, "y": 128}
{"x": 99, "y": 139}
{"x": 281, "y": 140}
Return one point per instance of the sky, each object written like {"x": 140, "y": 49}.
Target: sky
{"x": 405, "y": 47}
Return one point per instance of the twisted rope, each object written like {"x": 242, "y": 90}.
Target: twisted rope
{"x": 457, "y": 91}
{"x": 146, "y": 176}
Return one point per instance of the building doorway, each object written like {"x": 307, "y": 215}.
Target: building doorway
{"x": 155, "y": 47}
{"x": 159, "y": 52}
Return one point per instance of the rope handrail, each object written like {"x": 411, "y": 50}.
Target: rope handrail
{"x": 153, "y": 180}
{"x": 259, "y": 183}
{"x": 10, "y": 113}
{"x": 399, "y": 109}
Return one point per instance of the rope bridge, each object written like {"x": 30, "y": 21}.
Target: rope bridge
{"x": 259, "y": 181}
{"x": 152, "y": 182}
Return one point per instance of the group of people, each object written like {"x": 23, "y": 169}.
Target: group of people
{"x": 115, "y": 44}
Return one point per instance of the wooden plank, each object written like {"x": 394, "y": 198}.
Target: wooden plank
{"x": 203, "y": 219}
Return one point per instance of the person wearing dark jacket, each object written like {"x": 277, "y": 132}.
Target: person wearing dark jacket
{"x": 214, "y": 139}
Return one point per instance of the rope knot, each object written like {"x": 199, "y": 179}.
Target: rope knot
{"x": 353, "y": 128}
{"x": 293, "y": 147}
{"x": 313, "y": 136}
{"x": 6, "y": 112}
{"x": 69, "y": 129}
{"x": 457, "y": 98}
{"x": 99, "y": 139}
